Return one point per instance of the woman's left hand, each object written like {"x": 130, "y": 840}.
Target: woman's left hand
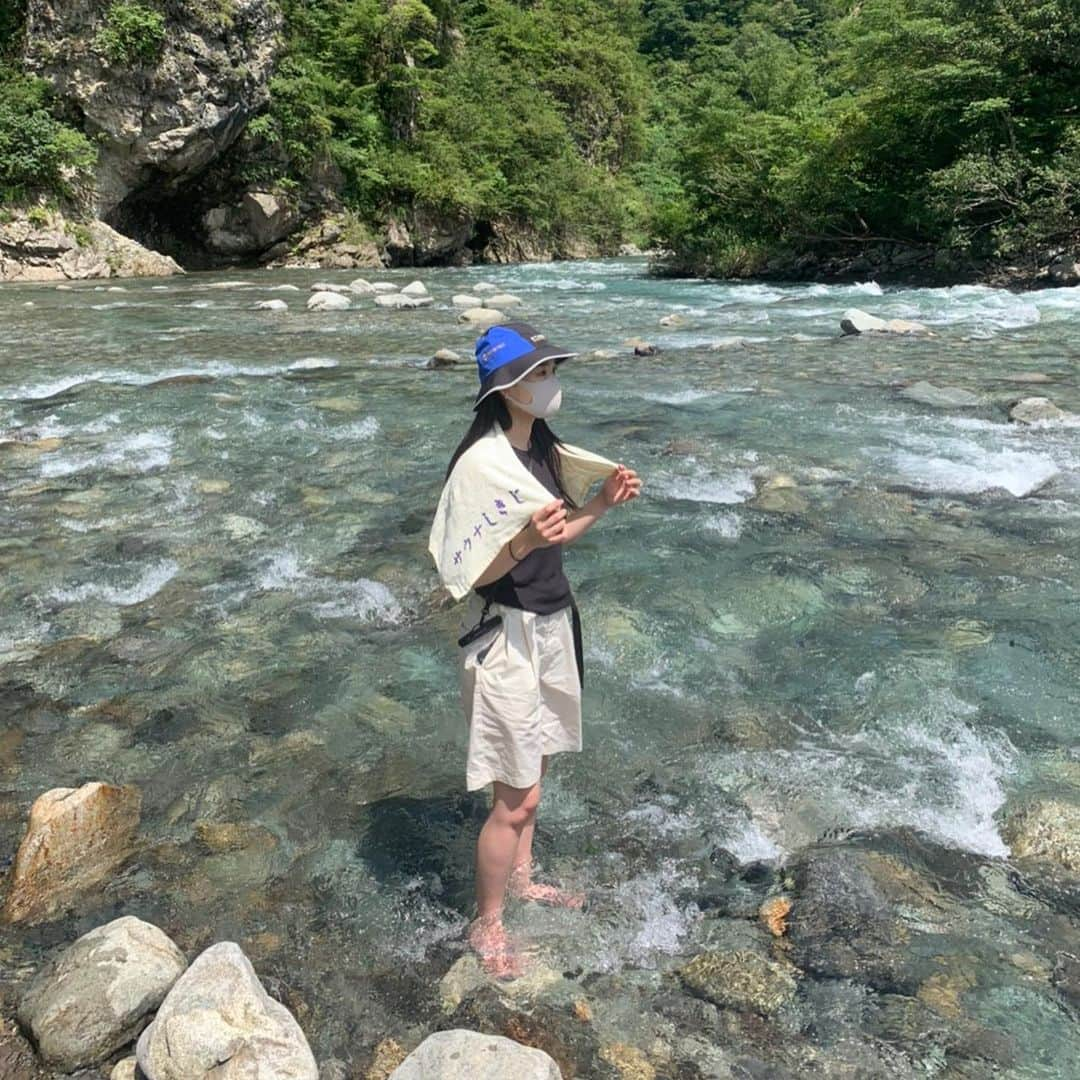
{"x": 621, "y": 486}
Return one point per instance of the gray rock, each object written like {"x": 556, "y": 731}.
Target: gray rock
{"x": 1032, "y": 410}
{"x": 1046, "y": 829}
{"x": 125, "y": 1069}
{"x": 327, "y": 301}
{"x": 32, "y": 252}
{"x": 415, "y": 288}
{"x": 361, "y": 287}
{"x": 326, "y": 286}
{"x": 739, "y": 979}
{"x": 468, "y": 1055}
{"x": 483, "y": 287}
{"x": 446, "y": 358}
{"x": 1065, "y": 270}
{"x": 402, "y": 302}
{"x": 218, "y": 1023}
{"x": 645, "y": 349}
{"x": 502, "y": 300}
{"x": 466, "y": 300}
{"x": 382, "y": 287}
{"x": 252, "y": 225}
{"x": 940, "y": 397}
{"x": 98, "y": 993}
{"x": 75, "y": 838}
{"x": 271, "y": 305}
{"x": 857, "y": 321}
{"x": 481, "y": 317}
{"x": 157, "y": 124}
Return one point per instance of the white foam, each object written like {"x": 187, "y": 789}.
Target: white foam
{"x": 125, "y": 377}
{"x": 139, "y": 452}
{"x": 725, "y": 490}
{"x": 1018, "y": 473}
{"x": 151, "y": 581}
{"x": 362, "y": 599}
{"x": 312, "y": 363}
{"x": 680, "y": 397}
{"x": 361, "y": 430}
{"x": 727, "y": 525}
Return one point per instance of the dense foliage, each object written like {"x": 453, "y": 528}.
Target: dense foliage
{"x": 729, "y": 130}
{"x": 950, "y": 122}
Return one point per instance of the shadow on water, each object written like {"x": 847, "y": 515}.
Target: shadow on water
{"x": 430, "y": 840}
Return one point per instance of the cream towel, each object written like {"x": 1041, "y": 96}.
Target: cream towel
{"x": 489, "y": 496}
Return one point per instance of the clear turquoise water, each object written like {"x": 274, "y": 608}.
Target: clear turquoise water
{"x": 218, "y": 589}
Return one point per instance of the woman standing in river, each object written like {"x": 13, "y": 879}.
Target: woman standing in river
{"x": 515, "y": 494}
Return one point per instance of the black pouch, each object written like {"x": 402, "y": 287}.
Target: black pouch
{"x": 481, "y": 628}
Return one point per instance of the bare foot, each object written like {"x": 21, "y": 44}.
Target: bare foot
{"x": 490, "y": 942}
{"x": 524, "y": 888}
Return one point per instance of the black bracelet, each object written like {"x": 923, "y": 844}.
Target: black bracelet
{"x": 510, "y": 548}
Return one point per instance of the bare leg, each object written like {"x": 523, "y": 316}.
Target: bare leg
{"x": 511, "y": 809}
{"x": 521, "y": 882}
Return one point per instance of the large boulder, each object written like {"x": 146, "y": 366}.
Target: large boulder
{"x": 856, "y": 321}
{"x": 1065, "y": 270}
{"x": 63, "y": 250}
{"x": 427, "y": 236}
{"x": 327, "y": 301}
{"x": 75, "y": 839}
{"x": 163, "y": 112}
{"x": 98, "y": 993}
{"x": 468, "y": 1055}
{"x": 218, "y": 1023}
{"x": 252, "y": 225}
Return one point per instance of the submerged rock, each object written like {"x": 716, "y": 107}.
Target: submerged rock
{"x": 271, "y": 305}
{"x": 739, "y": 979}
{"x": 856, "y": 321}
{"x": 218, "y": 1021}
{"x": 97, "y": 994}
{"x": 446, "y": 358}
{"x": 466, "y": 300}
{"x": 327, "y": 301}
{"x": 1033, "y": 410}
{"x": 1046, "y": 829}
{"x": 940, "y": 397}
{"x": 468, "y": 1055}
{"x": 467, "y": 975}
{"x": 75, "y": 839}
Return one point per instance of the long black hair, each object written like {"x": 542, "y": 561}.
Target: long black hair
{"x": 493, "y": 410}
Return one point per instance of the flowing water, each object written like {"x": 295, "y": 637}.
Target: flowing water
{"x": 834, "y": 614}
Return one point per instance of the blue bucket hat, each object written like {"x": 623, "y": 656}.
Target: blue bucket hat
{"x": 507, "y": 352}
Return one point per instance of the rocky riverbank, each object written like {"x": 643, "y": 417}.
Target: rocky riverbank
{"x": 883, "y": 937}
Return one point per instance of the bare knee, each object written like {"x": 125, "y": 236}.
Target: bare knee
{"x": 516, "y": 807}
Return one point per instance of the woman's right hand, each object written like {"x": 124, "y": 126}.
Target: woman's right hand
{"x": 547, "y": 526}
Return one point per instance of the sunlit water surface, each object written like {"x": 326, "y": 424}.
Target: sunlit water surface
{"x": 833, "y": 612}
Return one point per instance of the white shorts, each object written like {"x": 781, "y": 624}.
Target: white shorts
{"x": 521, "y": 692}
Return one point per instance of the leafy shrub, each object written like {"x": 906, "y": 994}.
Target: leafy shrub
{"x": 131, "y": 34}
{"x": 37, "y": 151}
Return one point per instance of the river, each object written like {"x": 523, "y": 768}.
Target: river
{"x": 837, "y": 620}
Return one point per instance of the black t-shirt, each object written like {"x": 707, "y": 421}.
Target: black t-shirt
{"x": 537, "y": 583}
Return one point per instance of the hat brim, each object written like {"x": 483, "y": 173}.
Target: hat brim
{"x": 511, "y": 374}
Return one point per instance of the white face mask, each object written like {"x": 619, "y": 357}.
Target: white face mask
{"x": 546, "y": 396}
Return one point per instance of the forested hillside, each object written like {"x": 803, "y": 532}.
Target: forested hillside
{"x": 744, "y": 135}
